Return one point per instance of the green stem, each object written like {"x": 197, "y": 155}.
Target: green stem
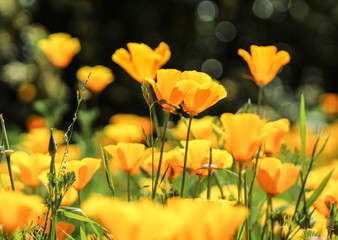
{"x": 209, "y": 175}
{"x": 266, "y": 222}
{"x": 247, "y": 229}
{"x": 186, "y": 155}
{"x": 239, "y": 183}
{"x": 6, "y": 148}
{"x": 271, "y": 218}
{"x": 128, "y": 185}
{"x": 219, "y": 185}
{"x": 79, "y": 198}
{"x": 253, "y": 179}
{"x": 161, "y": 154}
{"x": 198, "y": 185}
{"x": 152, "y": 147}
{"x": 52, "y": 232}
{"x": 259, "y": 102}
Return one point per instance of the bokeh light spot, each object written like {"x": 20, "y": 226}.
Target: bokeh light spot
{"x": 212, "y": 67}
{"x": 207, "y": 11}
{"x": 262, "y": 8}
{"x": 225, "y": 31}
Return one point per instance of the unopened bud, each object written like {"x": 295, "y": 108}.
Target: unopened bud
{"x": 330, "y": 219}
{"x": 145, "y": 93}
{"x": 52, "y": 144}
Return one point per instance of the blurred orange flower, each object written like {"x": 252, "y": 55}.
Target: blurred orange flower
{"x": 60, "y": 48}
{"x": 100, "y": 77}
{"x": 29, "y": 167}
{"x": 329, "y": 103}
{"x": 264, "y": 62}
{"x": 199, "y": 156}
{"x": 275, "y": 177}
{"x": 204, "y": 92}
{"x": 170, "y": 87}
{"x": 35, "y": 121}
{"x": 275, "y": 133}
{"x": 200, "y": 128}
{"x": 173, "y": 158}
{"x": 141, "y": 61}
{"x": 84, "y": 170}
{"x": 243, "y": 134}
{"x": 26, "y": 92}
{"x": 130, "y": 156}
{"x": 16, "y": 208}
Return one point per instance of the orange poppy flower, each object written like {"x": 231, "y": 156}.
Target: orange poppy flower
{"x": 170, "y": 87}
{"x": 84, "y": 171}
{"x": 243, "y": 134}
{"x": 204, "y": 92}
{"x": 264, "y": 62}
{"x": 16, "y": 209}
{"x": 35, "y": 121}
{"x": 29, "y": 167}
{"x": 60, "y": 48}
{"x": 275, "y": 133}
{"x": 130, "y": 156}
{"x": 329, "y": 103}
{"x": 275, "y": 177}
{"x": 199, "y": 156}
{"x": 141, "y": 61}
{"x": 100, "y": 77}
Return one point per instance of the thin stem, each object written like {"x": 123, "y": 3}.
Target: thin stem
{"x": 259, "y": 102}
{"x": 219, "y": 185}
{"x": 266, "y": 222}
{"x": 161, "y": 154}
{"x": 128, "y": 185}
{"x": 247, "y": 229}
{"x": 271, "y": 218}
{"x": 79, "y": 198}
{"x": 253, "y": 179}
{"x": 209, "y": 175}
{"x": 7, "y": 152}
{"x": 198, "y": 185}
{"x": 239, "y": 182}
{"x": 186, "y": 155}
{"x": 152, "y": 147}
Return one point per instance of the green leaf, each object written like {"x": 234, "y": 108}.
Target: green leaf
{"x": 318, "y": 191}
{"x": 146, "y": 137}
{"x": 82, "y": 234}
{"x": 108, "y": 173}
{"x": 323, "y": 146}
{"x": 68, "y": 235}
{"x": 240, "y": 232}
{"x": 302, "y": 124}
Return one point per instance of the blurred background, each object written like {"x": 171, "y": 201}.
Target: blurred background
{"x": 202, "y": 35}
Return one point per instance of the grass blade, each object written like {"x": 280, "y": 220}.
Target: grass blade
{"x": 302, "y": 125}
{"x": 107, "y": 171}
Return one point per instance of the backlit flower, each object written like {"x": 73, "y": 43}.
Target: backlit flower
{"x": 16, "y": 209}
{"x": 204, "y": 92}
{"x": 130, "y": 156}
{"x": 170, "y": 87}
{"x": 29, "y": 167}
{"x": 141, "y": 61}
{"x": 275, "y": 133}
{"x": 100, "y": 77}
{"x": 84, "y": 171}
{"x": 264, "y": 62}
{"x": 60, "y": 48}
{"x": 275, "y": 177}
{"x": 199, "y": 156}
{"x": 243, "y": 134}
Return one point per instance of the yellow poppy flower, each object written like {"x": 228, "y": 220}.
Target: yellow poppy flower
{"x": 100, "y": 77}
{"x": 275, "y": 133}
{"x": 264, "y": 62}
{"x": 84, "y": 171}
{"x": 60, "y": 48}
{"x": 170, "y": 87}
{"x": 275, "y": 177}
{"x": 141, "y": 61}
{"x": 204, "y": 92}
{"x": 199, "y": 156}
{"x": 29, "y": 167}
{"x": 139, "y": 121}
{"x": 130, "y": 156}
{"x": 243, "y": 134}
{"x": 16, "y": 209}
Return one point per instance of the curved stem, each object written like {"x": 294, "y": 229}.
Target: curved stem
{"x": 186, "y": 155}
{"x": 161, "y": 154}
